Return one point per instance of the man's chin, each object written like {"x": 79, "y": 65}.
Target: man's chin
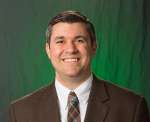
{"x": 72, "y": 75}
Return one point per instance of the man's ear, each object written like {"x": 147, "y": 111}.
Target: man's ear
{"x": 94, "y": 47}
{"x": 47, "y": 49}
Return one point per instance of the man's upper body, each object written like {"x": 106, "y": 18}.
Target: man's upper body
{"x": 106, "y": 103}
{"x": 70, "y": 46}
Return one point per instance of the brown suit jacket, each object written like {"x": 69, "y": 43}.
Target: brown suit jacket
{"x": 107, "y": 103}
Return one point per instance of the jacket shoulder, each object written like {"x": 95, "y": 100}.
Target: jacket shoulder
{"x": 116, "y": 92}
{"x": 37, "y": 95}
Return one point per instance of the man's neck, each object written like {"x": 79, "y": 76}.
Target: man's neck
{"x": 72, "y": 82}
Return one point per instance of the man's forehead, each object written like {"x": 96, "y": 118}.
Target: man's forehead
{"x": 64, "y": 30}
{"x": 69, "y": 28}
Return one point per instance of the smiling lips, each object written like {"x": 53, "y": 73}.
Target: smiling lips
{"x": 71, "y": 59}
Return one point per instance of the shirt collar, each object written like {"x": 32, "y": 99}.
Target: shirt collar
{"x": 62, "y": 93}
{"x": 82, "y": 91}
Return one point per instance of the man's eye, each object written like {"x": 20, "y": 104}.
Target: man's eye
{"x": 59, "y": 41}
{"x": 81, "y": 40}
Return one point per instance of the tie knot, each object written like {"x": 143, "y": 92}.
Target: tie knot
{"x": 73, "y": 99}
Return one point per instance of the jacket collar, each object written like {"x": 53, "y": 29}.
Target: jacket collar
{"x": 50, "y": 107}
{"x": 98, "y": 102}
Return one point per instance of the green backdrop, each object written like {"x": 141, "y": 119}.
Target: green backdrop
{"x": 123, "y": 37}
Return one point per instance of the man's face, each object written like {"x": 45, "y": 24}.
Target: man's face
{"x": 70, "y": 49}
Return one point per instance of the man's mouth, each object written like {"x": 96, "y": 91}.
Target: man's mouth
{"x": 71, "y": 59}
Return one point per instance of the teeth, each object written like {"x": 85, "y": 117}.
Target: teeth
{"x": 71, "y": 60}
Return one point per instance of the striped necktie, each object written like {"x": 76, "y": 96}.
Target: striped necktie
{"x": 73, "y": 108}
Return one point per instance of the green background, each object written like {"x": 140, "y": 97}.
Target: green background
{"x": 123, "y": 37}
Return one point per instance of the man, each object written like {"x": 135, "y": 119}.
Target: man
{"x": 77, "y": 95}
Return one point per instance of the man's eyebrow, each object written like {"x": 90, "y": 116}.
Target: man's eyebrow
{"x": 59, "y": 37}
{"x": 80, "y": 36}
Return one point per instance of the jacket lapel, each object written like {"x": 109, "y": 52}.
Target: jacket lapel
{"x": 48, "y": 106}
{"x": 98, "y": 102}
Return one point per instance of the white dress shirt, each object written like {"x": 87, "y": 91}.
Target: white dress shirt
{"x": 82, "y": 93}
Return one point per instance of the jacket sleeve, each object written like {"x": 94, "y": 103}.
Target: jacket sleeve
{"x": 141, "y": 113}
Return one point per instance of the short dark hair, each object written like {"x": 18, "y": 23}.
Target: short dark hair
{"x": 71, "y": 17}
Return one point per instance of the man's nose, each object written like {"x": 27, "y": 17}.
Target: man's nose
{"x": 71, "y": 47}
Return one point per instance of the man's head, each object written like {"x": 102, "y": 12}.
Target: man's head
{"x": 71, "y": 17}
{"x": 70, "y": 45}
